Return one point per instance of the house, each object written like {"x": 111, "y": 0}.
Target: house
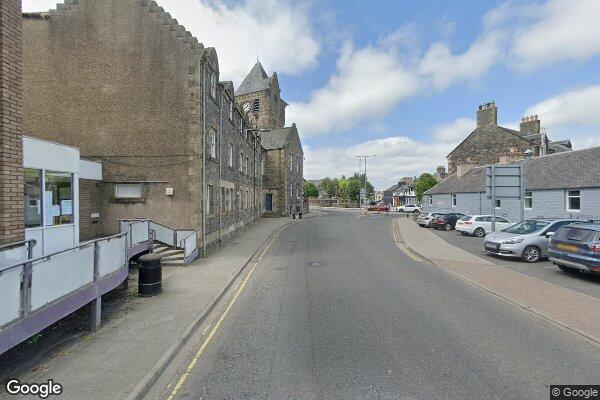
{"x": 399, "y": 190}
{"x": 490, "y": 143}
{"x": 283, "y": 183}
{"x": 564, "y": 184}
{"x": 259, "y": 97}
{"x": 173, "y": 145}
{"x": 404, "y": 195}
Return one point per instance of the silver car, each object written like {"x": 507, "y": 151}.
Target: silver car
{"x": 424, "y": 219}
{"x": 527, "y": 239}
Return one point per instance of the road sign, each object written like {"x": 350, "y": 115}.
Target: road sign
{"x": 504, "y": 181}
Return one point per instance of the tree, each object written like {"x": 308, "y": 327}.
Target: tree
{"x": 354, "y": 186}
{"x": 310, "y": 190}
{"x": 424, "y": 183}
{"x": 342, "y": 188}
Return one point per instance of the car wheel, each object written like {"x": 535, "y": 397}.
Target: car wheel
{"x": 531, "y": 254}
{"x": 448, "y": 227}
{"x": 479, "y": 232}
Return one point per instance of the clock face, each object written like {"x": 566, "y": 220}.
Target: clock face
{"x": 246, "y": 106}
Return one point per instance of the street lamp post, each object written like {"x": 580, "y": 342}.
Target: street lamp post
{"x": 365, "y": 179}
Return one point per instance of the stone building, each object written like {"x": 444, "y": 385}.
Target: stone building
{"x": 12, "y": 226}
{"x": 142, "y": 95}
{"x": 490, "y": 143}
{"x": 259, "y": 97}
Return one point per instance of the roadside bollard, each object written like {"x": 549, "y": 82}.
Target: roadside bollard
{"x": 300, "y": 216}
{"x": 150, "y": 275}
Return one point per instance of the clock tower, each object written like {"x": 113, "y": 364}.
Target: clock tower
{"x": 259, "y": 98}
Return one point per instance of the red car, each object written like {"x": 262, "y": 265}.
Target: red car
{"x": 378, "y": 207}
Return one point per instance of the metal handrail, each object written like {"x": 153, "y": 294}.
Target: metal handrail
{"x": 186, "y": 238}
{"x": 17, "y": 244}
{"x": 156, "y": 222}
{"x": 48, "y": 256}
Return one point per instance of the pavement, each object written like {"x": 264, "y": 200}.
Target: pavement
{"x": 573, "y": 310}
{"x": 544, "y": 270}
{"x": 336, "y": 310}
{"x": 136, "y": 343}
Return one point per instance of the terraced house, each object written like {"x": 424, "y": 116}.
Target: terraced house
{"x": 141, "y": 95}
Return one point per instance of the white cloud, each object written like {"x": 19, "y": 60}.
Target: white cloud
{"x": 558, "y": 30}
{"x": 368, "y": 84}
{"x": 576, "y": 107}
{"x": 445, "y": 69}
{"x": 280, "y": 32}
{"x": 573, "y": 114}
{"x": 395, "y": 156}
{"x": 453, "y": 132}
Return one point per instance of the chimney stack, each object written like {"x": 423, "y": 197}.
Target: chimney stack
{"x": 487, "y": 114}
{"x": 462, "y": 169}
{"x": 530, "y": 125}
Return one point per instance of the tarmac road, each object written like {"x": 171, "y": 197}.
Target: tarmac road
{"x": 335, "y": 310}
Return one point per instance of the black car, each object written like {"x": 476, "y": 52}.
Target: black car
{"x": 446, "y": 221}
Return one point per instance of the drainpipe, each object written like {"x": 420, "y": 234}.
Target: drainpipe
{"x": 220, "y": 162}
{"x": 204, "y": 160}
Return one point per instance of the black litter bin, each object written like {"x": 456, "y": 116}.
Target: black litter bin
{"x": 150, "y": 277}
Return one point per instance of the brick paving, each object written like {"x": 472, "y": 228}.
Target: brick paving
{"x": 575, "y": 311}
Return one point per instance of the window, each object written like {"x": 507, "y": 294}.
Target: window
{"x": 573, "y": 200}
{"x": 498, "y": 203}
{"x": 58, "y": 198}
{"x": 230, "y": 110}
{"x": 528, "y": 200}
{"x": 241, "y": 127}
{"x": 209, "y": 199}
{"x": 128, "y": 190}
{"x": 430, "y": 200}
{"x": 33, "y": 198}
{"x": 213, "y": 84}
{"x": 298, "y": 165}
{"x": 290, "y": 163}
{"x": 246, "y": 166}
{"x": 230, "y": 155}
{"x": 241, "y": 162}
{"x": 256, "y": 105}
{"x": 262, "y": 167}
{"x": 453, "y": 200}
{"x": 291, "y": 190}
{"x": 213, "y": 143}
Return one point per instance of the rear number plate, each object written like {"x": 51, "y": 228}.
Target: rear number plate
{"x": 567, "y": 247}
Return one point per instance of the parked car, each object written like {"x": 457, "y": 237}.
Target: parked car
{"x": 480, "y": 225}
{"x": 424, "y": 219}
{"x": 378, "y": 207}
{"x": 446, "y": 221}
{"x": 409, "y": 208}
{"x": 576, "y": 247}
{"x": 528, "y": 239}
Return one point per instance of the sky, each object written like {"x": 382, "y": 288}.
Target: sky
{"x": 401, "y": 80}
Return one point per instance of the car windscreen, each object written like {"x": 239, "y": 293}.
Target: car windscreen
{"x": 527, "y": 226}
{"x": 577, "y": 234}
{"x": 465, "y": 218}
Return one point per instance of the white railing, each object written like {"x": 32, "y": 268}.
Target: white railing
{"x": 182, "y": 238}
{"x": 30, "y": 285}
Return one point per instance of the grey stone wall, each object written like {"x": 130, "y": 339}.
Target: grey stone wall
{"x": 486, "y": 145}
{"x": 125, "y": 90}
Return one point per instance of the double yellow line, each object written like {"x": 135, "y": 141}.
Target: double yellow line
{"x": 214, "y": 330}
{"x": 402, "y": 246}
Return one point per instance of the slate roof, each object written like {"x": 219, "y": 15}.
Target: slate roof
{"x": 257, "y": 80}
{"x": 276, "y": 138}
{"x": 567, "y": 170}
